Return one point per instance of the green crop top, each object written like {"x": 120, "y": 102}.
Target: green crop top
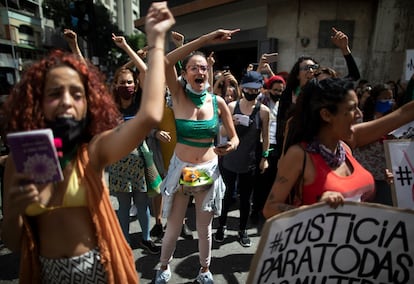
{"x": 198, "y": 129}
{"x": 75, "y": 196}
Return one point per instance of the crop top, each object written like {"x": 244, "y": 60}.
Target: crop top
{"x": 75, "y": 196}
{"x": 198, "y": 129}
{"x": 357, "y": 186}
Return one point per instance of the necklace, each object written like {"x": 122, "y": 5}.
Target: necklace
{"x": 333, "y": 159}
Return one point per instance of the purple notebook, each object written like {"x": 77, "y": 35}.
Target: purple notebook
{"x": 34, "y": 153}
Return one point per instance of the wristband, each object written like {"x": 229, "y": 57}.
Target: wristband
{"x": 265, "y": 154}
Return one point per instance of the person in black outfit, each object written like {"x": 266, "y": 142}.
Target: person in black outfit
{"x": 303, "y": 70}
{"x": 251, "y": 119}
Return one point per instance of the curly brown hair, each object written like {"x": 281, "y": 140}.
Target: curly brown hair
{"x": 24, "y": 105}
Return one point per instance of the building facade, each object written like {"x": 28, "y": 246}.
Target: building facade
{"x": 26, "y": 35}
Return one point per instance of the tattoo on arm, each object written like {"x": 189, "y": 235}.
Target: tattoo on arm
{"x": 118, "y": 128}
{"x": 281, "y": 207}
{"x": 281, "y": 179}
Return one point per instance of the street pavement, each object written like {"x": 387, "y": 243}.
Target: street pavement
{"x": 230, "y": 261}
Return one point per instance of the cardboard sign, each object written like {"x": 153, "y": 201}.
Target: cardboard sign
{"x": 355, "y": 243}
{"x": 399, "y": 155}
{"x": 409, "y": 64}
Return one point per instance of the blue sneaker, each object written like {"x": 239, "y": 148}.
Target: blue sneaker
{"x": 205, "y": 278}
{"x": 163, "y": 276}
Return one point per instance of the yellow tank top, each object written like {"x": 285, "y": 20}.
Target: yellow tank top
{"x": 75, "y": 196}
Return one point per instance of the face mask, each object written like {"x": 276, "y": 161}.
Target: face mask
{"x": 198, "y": 98}
{"x": 384, "y": 106}
{"x": 275, "y": 98}
{"x": 250, "y": 97}
{"x": 69, "y": 130}
{"x": 125, "y": 92}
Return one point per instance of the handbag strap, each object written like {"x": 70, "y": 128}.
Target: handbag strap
{"x": 297, "y": 188}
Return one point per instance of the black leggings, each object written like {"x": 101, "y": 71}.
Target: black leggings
{"x": 245, "y": 183}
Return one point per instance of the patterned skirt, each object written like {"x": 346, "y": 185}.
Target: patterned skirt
{"x": 86, "y": 268}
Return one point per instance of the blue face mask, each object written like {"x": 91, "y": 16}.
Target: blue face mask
{"x": 384, "y": 106}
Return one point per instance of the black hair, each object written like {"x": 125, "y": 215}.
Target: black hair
{"x": 316, "y": 95}
{"x": 369, "y": 106}
{"x": 286, "y": 107}
{"x": 191, "y": 55}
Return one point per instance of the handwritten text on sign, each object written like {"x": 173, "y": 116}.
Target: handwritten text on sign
{"x": 400, "y": 160}
{"x": 355, "y": 243}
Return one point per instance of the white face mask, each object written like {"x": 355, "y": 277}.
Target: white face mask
{"x": 189, "y": 88}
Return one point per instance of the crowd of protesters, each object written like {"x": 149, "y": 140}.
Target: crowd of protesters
{"x": 267, "y": 141}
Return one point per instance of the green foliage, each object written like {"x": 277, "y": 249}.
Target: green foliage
{"x": 136, "y": 41}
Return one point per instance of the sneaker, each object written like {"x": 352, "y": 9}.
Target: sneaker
{"x": 163, "y": 276}
{"x": 157, "y": 231}
{"x": 186, "y": 233}
{"x": 244, "y": 239}
{"x": 219, "y": 235}
{"x": 205, "y": 278}
{"x": 150, "y": 247}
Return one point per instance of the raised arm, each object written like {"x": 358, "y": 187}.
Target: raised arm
{"x": 340, "y": 39}
{"x": 370, "y": 131}
{"x": 264, "y": 66}
{"x": 72, "y": 39}
{"x": 210, "y": 62}
{"x": 105, "y": 148}
{"x": 135, "y": 58}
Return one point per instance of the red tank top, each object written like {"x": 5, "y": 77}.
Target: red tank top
{"x": 357, "y": 186}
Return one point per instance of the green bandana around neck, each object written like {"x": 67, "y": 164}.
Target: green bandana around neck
{"x": 197, "y": 99}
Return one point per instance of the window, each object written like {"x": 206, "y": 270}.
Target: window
{"x": 24, "y": 29}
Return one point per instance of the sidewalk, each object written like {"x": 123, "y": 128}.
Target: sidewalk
{"x": 230, "y": 261}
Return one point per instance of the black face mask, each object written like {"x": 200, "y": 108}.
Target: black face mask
{"x": 69, "y": 130}
{"x": 250, "y": 97}
{"x": 275, "y": 98}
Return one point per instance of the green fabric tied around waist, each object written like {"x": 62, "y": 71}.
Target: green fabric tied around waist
{"x": 152, "y": 176}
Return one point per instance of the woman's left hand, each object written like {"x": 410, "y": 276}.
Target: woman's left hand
{"x": 224, "y": 149}
{"x": 163, "y": 136}
{"x": 333, "y": 198}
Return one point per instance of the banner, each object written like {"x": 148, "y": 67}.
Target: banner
{"x": 399, "y": 155}
{"x": 362, "y": 243}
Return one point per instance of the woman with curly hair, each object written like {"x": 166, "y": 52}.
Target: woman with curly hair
{"x": 72, "y": 235}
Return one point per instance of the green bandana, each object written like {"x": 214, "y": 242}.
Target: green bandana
{"x": 197, "y": 99}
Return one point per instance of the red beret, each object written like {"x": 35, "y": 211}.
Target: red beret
{"x": 271, "y": 80}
